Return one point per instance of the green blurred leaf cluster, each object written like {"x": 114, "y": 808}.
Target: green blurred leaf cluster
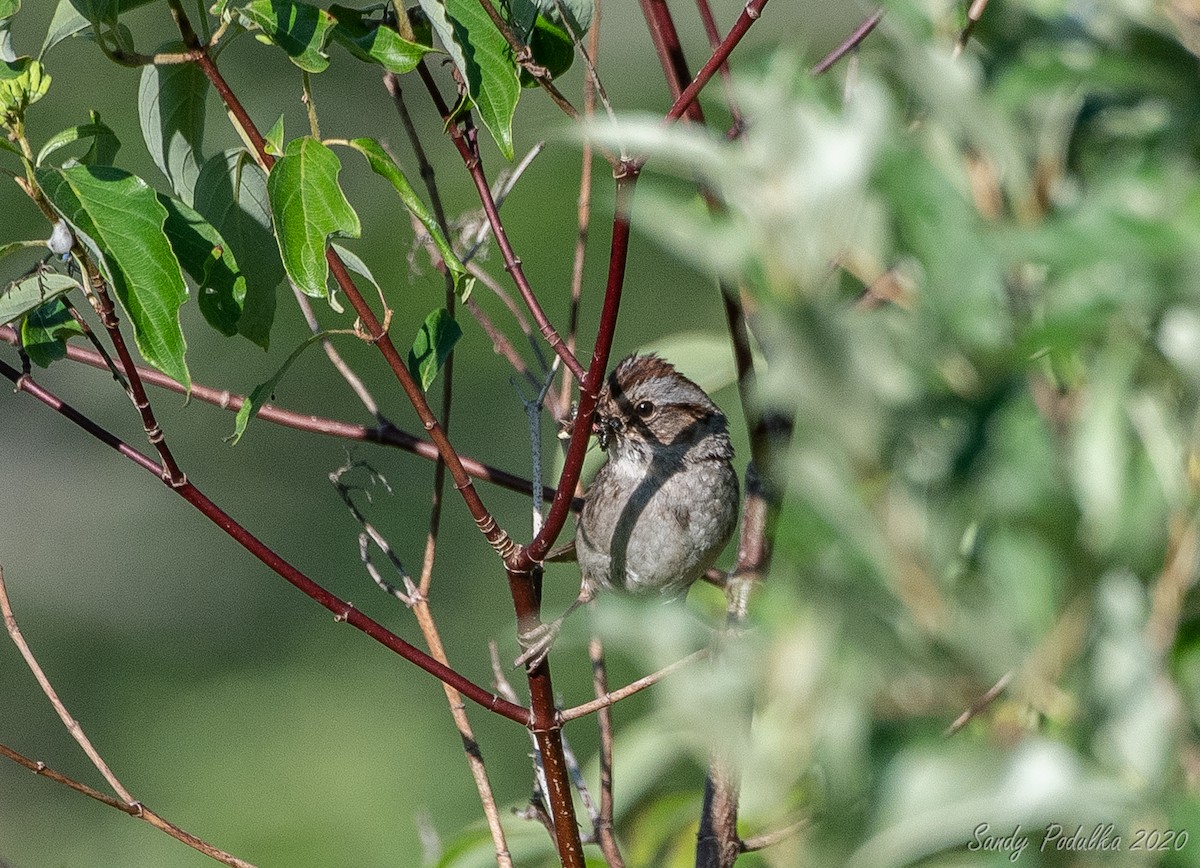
{"x": 993, "y": 474}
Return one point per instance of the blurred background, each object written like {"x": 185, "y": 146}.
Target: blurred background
{"x": 994, "y": 478}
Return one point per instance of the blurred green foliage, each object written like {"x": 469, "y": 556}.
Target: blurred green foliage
{"x": 975, "y": 293}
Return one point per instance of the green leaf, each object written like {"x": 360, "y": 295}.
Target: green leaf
{"x": 171, "y": 102}
{"x": 375, "y": 42}
{"x": 105, "y": 143}
{"x": 353, "y": 262}
{"x": 118, "y": 216}
{"x": 435, "y": 339}
{"x": 210, "y": 262}
{"x": 274, "y": 139}
{"x": 23, "y": 82}
{"x": 30, "y": 292}
{"x": 383, "y": 165}
{"x": 490, "y": 70}
{"x": 552, "y": 48}
{"x": 299, "y": 29}
{"x": 579, "y": 11}
{"x": 263, "y": 391}
{"x": 231, "y": 193}
{"x": 521, "y": 15}
{"x": 70, "y": 18}
{"x": 435, "y": 11}
{"x": 45, "y": 331}
{"x": 308, "y": 207}
{"x": 8, "y": 8}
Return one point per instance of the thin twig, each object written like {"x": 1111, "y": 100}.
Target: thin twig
{"x": 848, "y": 44}
{"x": 768, "y": 839}
{"x": 714, "y": 41}
{"x": 512, "y": 264}
{"x": 980, "y": 704}
{"x": 384, "y": 435}
{"x": 504, "y": 184}
{"x": 974, "y": 13}
{"x": 127, "y": 802}
{"x": 343, "y": 611}
{"x": 172, "y": 474}
{"x": 745, "y": 20}
{"x": 1178, "y": 576}
{"x": 606, "y": 834}
{"x": 72, "y": 725}
{"x": 137, "y": 809}
{"x": 417, "y": 600}
{"x": 615, "y": 696}
{"x": 591, "y": 86}
{"x": 335, "y": 358}
{"x": 590, "y": 56}
{"x": 501, "y": 345}
{"x": 90, "y": 334}
{"x": 524, "y": 58}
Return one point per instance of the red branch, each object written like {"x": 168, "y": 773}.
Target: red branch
{"x": 848, "y": 44}
{"x": 342, "y": 610}
{"x": 749, "y": 15}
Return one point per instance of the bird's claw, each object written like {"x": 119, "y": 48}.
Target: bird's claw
{"x": 536, "y": 643}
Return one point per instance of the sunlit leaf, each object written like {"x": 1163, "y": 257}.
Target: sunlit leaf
{"x": 308, "y": 208}
{"x": 119, "y": 217}
{"x": 104, "y": 142}
{"x": 23, "y": 82}
{"x": 300, "y": 29}
{"x": 383, "y": 165}
{"x": 31, "y": 292}
{"x": 374, "y": 42}
{"x": 485, "y": 61}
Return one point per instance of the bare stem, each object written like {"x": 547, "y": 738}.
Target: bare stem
{"x": 127, "y": 802}
{"x": 137, "y": 392}
{"x": 850, "y": 43}
{"x": 384, "y": 435}
{"x": 72, "y": 725}
{"x": 714, "y": 41}
{"x": 605, "y": 833}
{"x": 353, "y": 380}
{"x": 612, "y": 698}
{"x": 583, "y": 206}
{"x": 342, "y": 610}
{"x": 980, "y": 704}
{"x": 417, "y": 600}
{"x": 512, "y": 264}
{"x": 974, "y": 13}
{"x": 137, "y": 809}
{"x": 683, "y": 104}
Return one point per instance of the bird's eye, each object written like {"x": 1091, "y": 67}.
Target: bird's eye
{"x": 644, "y": 409}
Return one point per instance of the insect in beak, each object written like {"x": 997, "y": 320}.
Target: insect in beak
{"x": 604, "y": 427}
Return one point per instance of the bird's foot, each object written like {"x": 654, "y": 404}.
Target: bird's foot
{"x": 536, "y": 643}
